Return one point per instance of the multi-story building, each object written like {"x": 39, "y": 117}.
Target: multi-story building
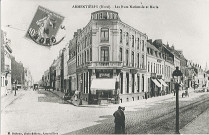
{"x": 168, "y": 67}
{"x": 6, "y": 83}
{"x": 65, "y": 68}
{"x": 58, "y": 73}
{"x": 71, "y": 64}
{"x": 28, "y": 80}
{"x": 17, "y": 72}
{"x": 52, "y": 72}
{"x": 110, "y": 60}
{"x": 183, "y": 68}
{"x": 46, "y": 79}
{"x": 155, "y": 71}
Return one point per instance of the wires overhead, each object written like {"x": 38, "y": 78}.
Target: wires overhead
{"x": 10, "y": 26}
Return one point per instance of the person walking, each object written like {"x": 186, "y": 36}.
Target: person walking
{"x": 119, "y": 120}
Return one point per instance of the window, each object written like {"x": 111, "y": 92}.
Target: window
{"x": 87, "y": 55}
{"x": 132, "y": 40}
{"x": 104, "y": 54}
{"x": 148, "y": 67}
{"x": 133, "y": 82}
{"x": 151, "y": 67}
{"x": 78, "y": 60}
{"x": 90, "y": 37}
{"x": 126, "y": 57}
{"x": 90, "y": 54}
{"x": 142, "y": 45}
{"x": 86, "y": 42}
{"x": 154, "y": 67}
{"x": 151, "y": 51}
{"x": 127, "y": 82}
{"x": 142, "y": 83}
{"x": 160, "y": 69}
{"x": 156, "y": 54}
{"x": 104, "y": 35}
{"x": 138, "y": 43}
{"x": 127, "y": 38}
{"x": 138, "y": 84}
{"x": 132, "y": 59}
{"x": 121, "y": 54}
{"x": 138, "y": 60}
{"x": 121, "y": 35}
{"x": 143, "y": 61}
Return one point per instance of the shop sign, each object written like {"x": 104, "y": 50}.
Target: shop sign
{"x": 44, "y": 27}
{"x": 104, "y": 73}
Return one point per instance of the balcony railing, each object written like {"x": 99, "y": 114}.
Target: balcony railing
{"x": 104, "y": 64}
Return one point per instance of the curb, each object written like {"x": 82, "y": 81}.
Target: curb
{"x": 62, "y": 98}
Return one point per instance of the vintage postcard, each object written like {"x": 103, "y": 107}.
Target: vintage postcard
{"x": 104, "y": 67}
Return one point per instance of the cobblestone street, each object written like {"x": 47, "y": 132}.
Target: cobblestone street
{"x": 145, "y": 117}
{"x": 158, "y": 119}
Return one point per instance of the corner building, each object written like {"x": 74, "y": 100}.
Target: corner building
{"x": 110, "y": 60}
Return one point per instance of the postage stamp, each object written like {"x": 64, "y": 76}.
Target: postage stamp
{"x": 44, "y": 27}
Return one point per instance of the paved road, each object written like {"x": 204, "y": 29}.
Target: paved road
{"x": 158, "y": 119}
{"x": 45, "y": 112}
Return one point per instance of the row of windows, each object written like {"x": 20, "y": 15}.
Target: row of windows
{"x": 84, "y": 57}
{"x": 155, "y": 53}
{"x": 154, "y": 68}
{"x": 104, "y": 37}
{"x": 133, "y": 40}
{"x": 138, "y": 64}
{"x": 168, "y": 71}
{"x": 87, "y": 40}
{"x": 159, "y": 69}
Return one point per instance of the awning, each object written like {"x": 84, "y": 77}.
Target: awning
{"x": 103, "y": 84}
{"x": 156, "y": 82}
{"x": 162, "y": 82}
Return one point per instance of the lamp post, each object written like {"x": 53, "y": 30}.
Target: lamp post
{"x": 177, "y": 74}
{"x": 15, "y": 83}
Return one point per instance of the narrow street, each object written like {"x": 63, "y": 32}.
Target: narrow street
{"x": 42, "y": 111}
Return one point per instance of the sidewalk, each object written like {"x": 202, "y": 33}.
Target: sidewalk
{"x": 200, "y": 125}
{"x": 10, "y": 98}
{"x": 73, "y": 102}
{"x": 142, "y": 102}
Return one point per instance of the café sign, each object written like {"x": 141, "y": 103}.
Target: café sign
{"x": 104, "y": 73}
{"x": 44, "y": 27}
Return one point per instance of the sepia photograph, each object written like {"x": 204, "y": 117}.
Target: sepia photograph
{"x": 104, "y": 67}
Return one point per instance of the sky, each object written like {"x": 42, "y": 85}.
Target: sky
{"x": 182, "y": 23}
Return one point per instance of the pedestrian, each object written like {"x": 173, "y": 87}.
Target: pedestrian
{"x": 146, "y": 95}
{"x": 119, "y": 120}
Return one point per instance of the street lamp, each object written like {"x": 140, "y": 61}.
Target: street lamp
{"x": 15, "y": 83}
{"x": 177, "y": 75}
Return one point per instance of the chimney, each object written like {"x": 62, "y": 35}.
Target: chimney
{"x": 172, "y": 47}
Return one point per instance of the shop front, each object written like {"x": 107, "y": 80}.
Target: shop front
{"x": 103, "y": 91}
{"x": 155, "y": 87}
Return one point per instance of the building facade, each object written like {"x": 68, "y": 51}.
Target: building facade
{"x": 108, "y": 51}
{"x": 155, "y": 71}
{"x": 6, "y": 81}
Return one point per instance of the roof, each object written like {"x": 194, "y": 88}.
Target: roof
{"x": 152, "y": 47}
